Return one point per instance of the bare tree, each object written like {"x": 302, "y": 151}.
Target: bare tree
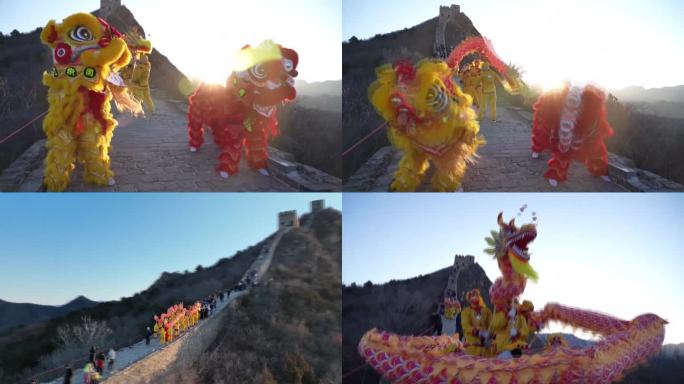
{"x": 75, "y": 340}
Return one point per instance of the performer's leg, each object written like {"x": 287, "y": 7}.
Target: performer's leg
{"x": 61, "y": 155}
{"x": 558, "y": 168}
{"x": 147, "y": 99}
{"x": 195, "y": 123}
{"x": 486, "y": 105}
{"x": 412, "y": 167}
{"x": 450, "y": 168}
{"x": 540, "y": 136}
{"x": 597, "y": 159}
{"x": 257, "y": 149}
{"x": 230, "y": 139}
{"x": 93, "y": 150}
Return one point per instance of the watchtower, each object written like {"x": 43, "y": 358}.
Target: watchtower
{"x": 446, "y": 15}
{"x": 288, "y": 219}
{"x": 317, "y": 206}
{"x": 108, "y": 6}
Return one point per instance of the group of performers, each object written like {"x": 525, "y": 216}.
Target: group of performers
{"x": 432, "y": 124}
{"x": 507, "y": 331}
{"x": 479, "y": 81}
{"x": 176, "y": 320}
{"x": 94, "y": 64}
{"x": 499, "y": 345}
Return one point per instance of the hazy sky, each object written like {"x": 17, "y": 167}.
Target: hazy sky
{"x": 614, "y": 43}
{"x": 106, "y": 246}
{"x": 616, "y": 253}
{"x": 201, "y": 36}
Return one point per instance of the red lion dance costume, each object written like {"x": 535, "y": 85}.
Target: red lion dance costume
{"x": 244, "y": 112}
{"x": 571, "y": 123}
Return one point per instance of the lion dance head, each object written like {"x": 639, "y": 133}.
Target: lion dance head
{"x": 87, "y": 54}
{"x": 428, "y": 115}
{"x": 268, "y": 81}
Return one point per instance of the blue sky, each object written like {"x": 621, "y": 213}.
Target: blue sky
{"x": 106, "y": 246}
{"x": 614, "y": 43}
{"x": 201, "y": 36}
{"x": 617, "y": 253}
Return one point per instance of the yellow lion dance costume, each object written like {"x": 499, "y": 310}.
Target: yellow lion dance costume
{"x": 430, "y": 120}
{"x": 79, "y": 125}
{"x": 137, "y": 73}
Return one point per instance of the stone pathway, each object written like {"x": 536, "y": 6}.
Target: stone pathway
{"x": 151, "y": 154}
{"x": 504, "y": 165}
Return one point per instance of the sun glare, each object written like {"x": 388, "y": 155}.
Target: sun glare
{"x": 216, "y": 72}
{"x": 206, "y": 44}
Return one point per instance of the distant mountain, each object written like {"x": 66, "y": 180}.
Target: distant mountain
{"x": 672, "y": 94}
{"x": 23, "y": 314}
{"x": 311, "y": 129}
{"x": 673, "y": 349}
{"x": 318, "y": 88}
{"x": 311, "y": 126}
{"x": 573, "y": 341}
{"x": 670, "y": 109}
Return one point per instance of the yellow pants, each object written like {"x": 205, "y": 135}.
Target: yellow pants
{"x": 488, "y": 103}
{"x": 472, "y": 91}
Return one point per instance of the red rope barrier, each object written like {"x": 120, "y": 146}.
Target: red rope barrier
{"x": 22, "y": 128}
{"x": 373, "y": 132}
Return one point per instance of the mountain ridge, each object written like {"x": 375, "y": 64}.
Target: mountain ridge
{"x": 674, "y": 94}
{"x": 24, "y": 314}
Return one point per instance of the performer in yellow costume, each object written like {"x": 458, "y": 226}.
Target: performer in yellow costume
{"x": 499, "y": 327}
{"x": 475, "y": 320}
{"x": 430, "y": 121}
{"x": 471, "y": 83}
{"x": 140, "y": 83}
{"x": 488, "y": 79}
{"x": 87, "y": 53}
{"x": 137, "y": 73}
{"x": 518, "y": 331}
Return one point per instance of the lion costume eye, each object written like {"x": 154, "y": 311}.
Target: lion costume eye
{"x": 437, "y": 98}
{"x": 258, "y": 71}
{"x": 288, "y": 65}
{"x": 81, "y": 33}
